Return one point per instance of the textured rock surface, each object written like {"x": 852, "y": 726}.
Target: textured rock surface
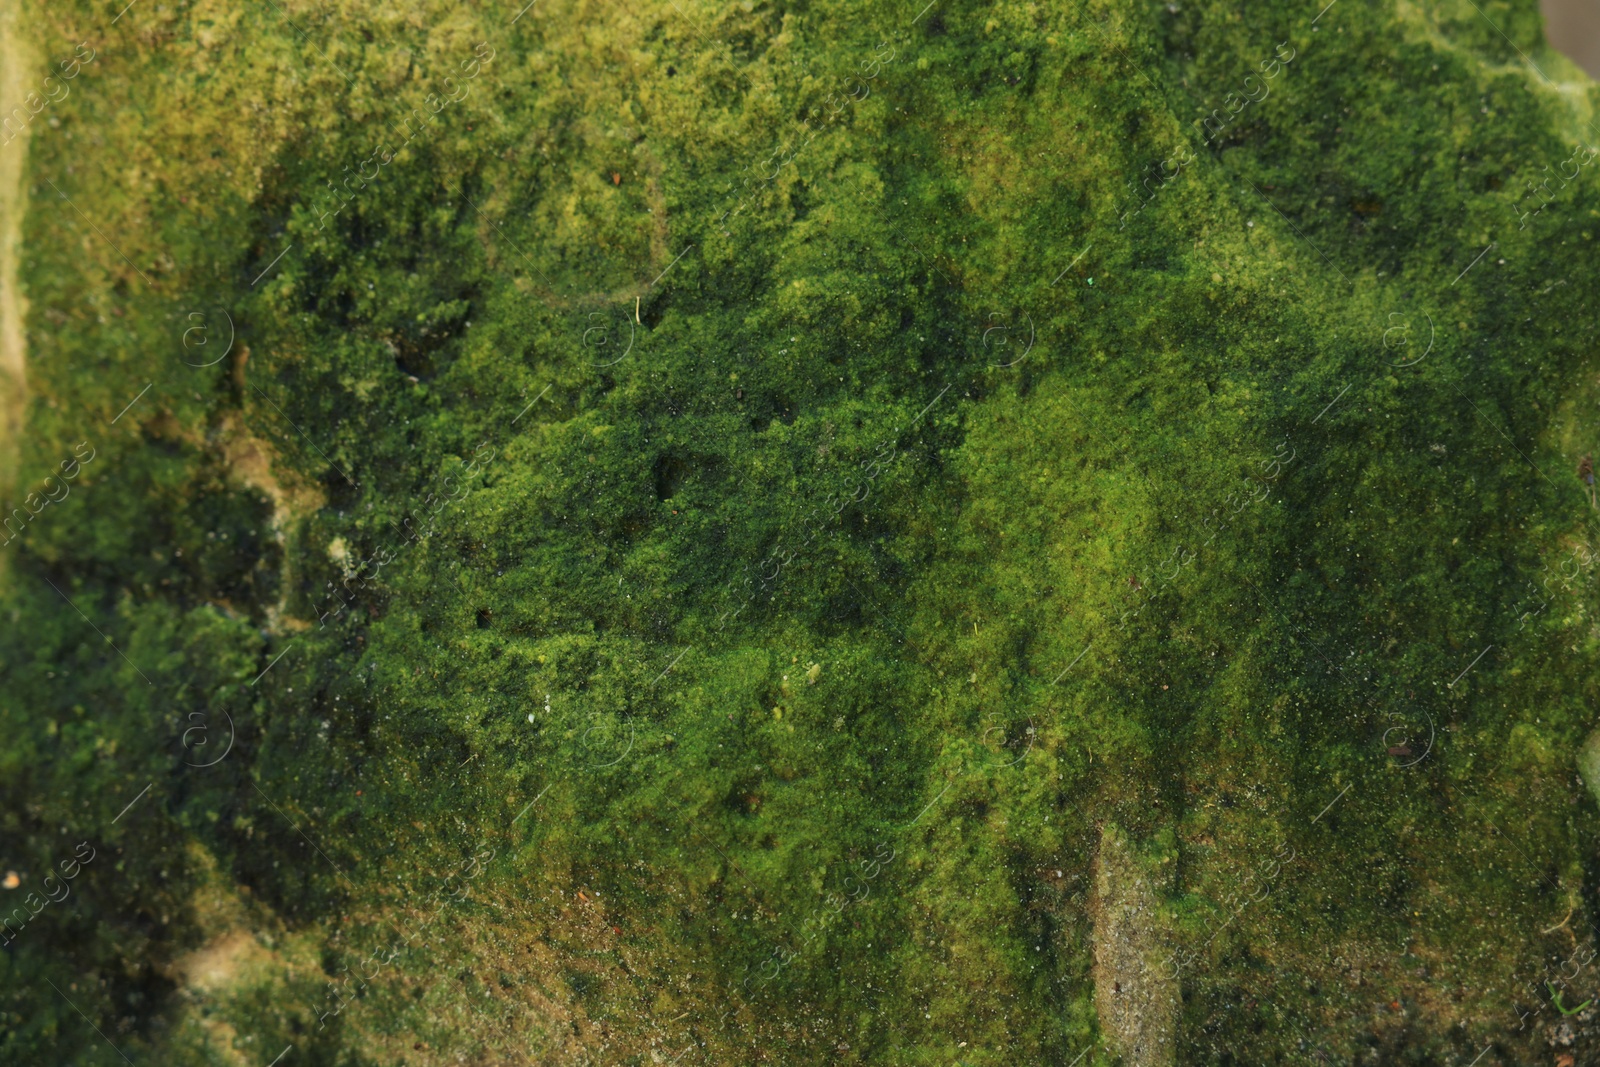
{"x": 1135, "y": 996}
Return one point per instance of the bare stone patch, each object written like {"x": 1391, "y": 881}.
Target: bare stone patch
{"x": 1137, "y": 1004}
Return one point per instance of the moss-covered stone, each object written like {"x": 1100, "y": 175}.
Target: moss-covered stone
{"x": 1162, "y": 418}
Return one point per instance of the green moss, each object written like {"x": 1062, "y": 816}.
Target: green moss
{"x": 540, "y": 476}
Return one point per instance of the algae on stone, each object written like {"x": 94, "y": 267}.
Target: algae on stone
{"x": 1159, "y": 422}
